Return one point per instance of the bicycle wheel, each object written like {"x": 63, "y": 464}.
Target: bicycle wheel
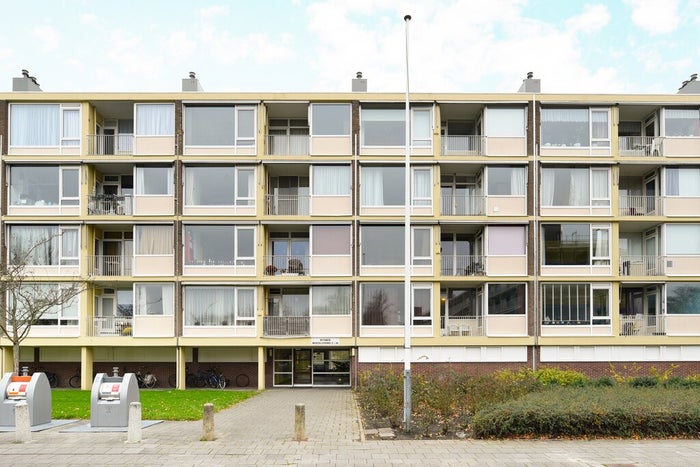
{"x": 74, "y": 381}
{"x": 150, "y": 381}
{"x": 53, "y": 379}
{"x": 212, "y": 381}
{"x": 201, "y": 381}
{"x": 172, "y": 380}
{"x": 221, "y": 383}
{"x": 242, "y": 380}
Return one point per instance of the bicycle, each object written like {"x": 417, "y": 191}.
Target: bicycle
{"x": 52, "y": 377}
{"x": 147, "y": 380}
{"x": 216, "y": 379}
{"x": 74, "y": 380}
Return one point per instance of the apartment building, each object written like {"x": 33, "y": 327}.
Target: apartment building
{"x": 263, "y": 233}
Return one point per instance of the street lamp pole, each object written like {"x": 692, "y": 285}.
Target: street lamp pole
{"x": 407, "y": 258}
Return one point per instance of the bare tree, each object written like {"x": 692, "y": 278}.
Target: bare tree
{"x": 24, "y": 299}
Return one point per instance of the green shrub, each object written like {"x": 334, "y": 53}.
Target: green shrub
{"x": 380, "y": 393}
{"x": 605, "y": 381}
{"x": 643, "y": 381}
{"x": 560, "y": 377}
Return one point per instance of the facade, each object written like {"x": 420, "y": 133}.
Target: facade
{"x": 263, "y": 233}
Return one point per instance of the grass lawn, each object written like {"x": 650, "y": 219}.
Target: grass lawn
{"x": 155, "y": 404}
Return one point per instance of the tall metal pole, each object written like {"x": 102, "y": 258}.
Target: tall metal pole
{"x": 408, "y": 316}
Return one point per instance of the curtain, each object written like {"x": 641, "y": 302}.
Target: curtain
{"x": 578, "y": 196}
{"x": 154, "y": 299}
{"x": 155, "y": 119}
{"x": 71, "y": 127}
{"x": 209, "y": 306}
{"x": 548, "y": 186}
{"x": 246, "y": 306}
{"x": 34, "y": 125}
{"x": 34, "y": 245}
{"x": 154, "y": 180}
{"x": 372, "y": 186}
{"x": 330, "y": 300}
{"x": 599, "y": 125}
{"x": 689, "y": 182}
{"x": 331, "y": 180}
{"x": 190, "y": 194}
{"x": 421, "y": 128}
{"x": 422, "y": 187}
{"x": 601, "y": 243}
{"x": 70, "y": 243}
{"x": 246, "y": 187}
{"x": 517, "y": 181}
{"x": 154, "y": 239}
{"x": 600, "y": 184}
{"x": 421, "y": 242}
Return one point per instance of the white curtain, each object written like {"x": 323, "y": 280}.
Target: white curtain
{"x": 422, "y": 187}
{"x": 372, "y": 186}
{"x": 688, "y": 182}
{"x": 331, "y": 180}
{"x": 330, "y": 300}
{"x": 209, "y": 306}
{"x": 190, "y": 198}
{"x": 154, "y": 180}
{"x": 245, "y": 307}
{"x": 70, "y": 243}
{"x": 600, "y": 184}
{"x": 578, "y": 194}
{"x": 601, "y": 243}
{"x": 71, "y": 127}
{"x": 34, "y": 124}
{"x": 246, "y": 187}
{"x": 154, "y": 299}
{"x": 517, "y": 181}
{"x": 548, "y": 186}
{"x": 155, "y": 119}
{"x": 34, "y": 245}
{"x": 154, "y": 239}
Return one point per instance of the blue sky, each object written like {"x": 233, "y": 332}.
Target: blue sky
{"x": 628, "y": 46}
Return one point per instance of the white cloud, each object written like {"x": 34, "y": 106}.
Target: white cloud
{"x": 593, "y": 18}
{"x": 655, "y": 16}
{"x": 47, "y": 36}
{"x": 88, "y": 18}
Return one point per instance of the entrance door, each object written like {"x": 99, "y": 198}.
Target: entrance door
{"x": 302, "y": 367}
{"x": 650, "y": 192}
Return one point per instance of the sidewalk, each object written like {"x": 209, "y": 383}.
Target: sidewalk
{"x": 260, "y": 431}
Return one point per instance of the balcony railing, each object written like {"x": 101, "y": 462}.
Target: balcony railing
{"x": 642, "y": 325}
{"x": 463, "y": 265}
{"x": 640, "y": 205}
{"x": 109, "y": 265}
{"x": 641, "y": 265}
{"x": 285, "y": 326}
{"x": 288, "y": 145}
{"x": 462, "y": 205}
{"x": 287, "y": 205}
{"x": 641, "y": 146}
{"x": 110, "y": 205}
{"x": 462, "y": 145}
{"x": 111, "y": 145}
{"x": 109, "y": 326}
{"x": 289, "y": 265}
{"x": 462, "y": 325}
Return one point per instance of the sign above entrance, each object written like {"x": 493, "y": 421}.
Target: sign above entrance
{"x": 325, "y": 341}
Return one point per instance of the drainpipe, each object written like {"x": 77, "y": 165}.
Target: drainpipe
{"x": 535, "y": 239}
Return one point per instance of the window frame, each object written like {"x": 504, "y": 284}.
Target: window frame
{"x": 421, "y": 201}
{"x": 593, "y": 201}
{"x": 237, "y": 320}
{"x": 593, "y": 260}
{"x": 169, "y": 180}
{"x": 696, "y": 130}
{"x": 55, "y": 240}
{"x": 593, "y": 142}
{"x": 312, "y": 119}
{"x": 488, "y": 298}
{"x": 364, "y": 184}
{"x": 421, "y": 320}
{"x": 347, "y": 307}
{"x": 62, "y": 140}
{"x": 593, "y": 319}
{"x": 235, "y": 260}
{"x": 167, "y": 311}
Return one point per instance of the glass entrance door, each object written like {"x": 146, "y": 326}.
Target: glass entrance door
{"x": 307, "y": 367}
{"x": 302, "y": 367}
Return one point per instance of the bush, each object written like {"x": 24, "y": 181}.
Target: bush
{"x": 605, "y": 381}
{"x": 643, "y": 382}
{"x": 561, "y": 377}
{"x": 380, "y": 394}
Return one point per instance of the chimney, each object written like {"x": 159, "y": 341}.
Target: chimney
{"x": 25, "y": 84}
{"x": 530, "y": 84}
{"x": 691, "y": 86}
{"x": 359, "y": 84}
{"x": 191, "y": 84}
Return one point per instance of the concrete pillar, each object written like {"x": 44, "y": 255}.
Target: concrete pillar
{"x": 261, "y": 368}
{"x": 300, "y": 422}
{"x": 23, "y": 432}
{"x": 180, "y": 367}
{"x": 86, "y": 361}
{"x": 134, "y": 433}
{"x": 208, "y": 423}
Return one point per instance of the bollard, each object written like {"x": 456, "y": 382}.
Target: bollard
{"x": 23, "y": 433}
{"x": 208, "y": 422}
{"x": 300, "y": 422}
{"x": 134, "y": 433}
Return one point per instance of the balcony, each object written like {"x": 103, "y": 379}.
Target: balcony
{"x": 285, "y": 326}
{"x": 110, "y": 205}
{"x": 463, "y": 265}
{"x": 462, "y": 145}
{"x": 642, "y": 325}
{"x": 287, "y": 205}
{"x": 641, "y": 265}
{"x": 640, "y": 205}
{"x": 109, "y": 265}
{"x": 641, "y": 146}
{"x": 110, "y": 145}
{"x": 462, "y": 326}
{"x": 288, "y": 145}
{"x": 462, "y": 205}
{"x": 100, "y": 326}
{"x": 287, "y": 265}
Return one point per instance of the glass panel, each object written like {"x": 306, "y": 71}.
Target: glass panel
{"x": 154, "y": 180}
{"x": 209, "y": 126}
{"x": 245, "y": 196}
{"x": 209, "y": 186}
{"x": 330, "y": 119}
{"x": 382, "y": 186}
{"x": 683, "y": 298}
{"x": 154, "y": 299}
{"x": 566, "y": 244}
{"x": 382, "y": 304}
{"x": 70, "y": 185}
{"x": 34, "y": 124}
{"x": 245, "y": 247}
{"x": 154, "y": 239}
{"x": 683, "y": 239}
{"x": 331, "y": 180}
{"x": 383, "y": 127}
{"x": 506, "y": 240}
{"x": 505, "y": 122}
{"x": 566, "y": 304}
{"x": 382, "y": 245}
{"x": 422, "y": 130}
{"x": 565, "y": 186}
{"x": 209, "y": 245}
{"x": 34, "y": 186}
{"x": 209, "y": 305}
{"x": 330, "y": 239}
{"x": 682, "y": 122}
{"x": 506, "y": 181}
{"x": 565, "y": 127}
{"x": 506, "y": 299}
{"x": 155, "y": 119}
{"x": 331, "y": 300}
{"x": 601, "y": 306}
{"x": 422, "y": 315}
{"x": 246, "y": 127}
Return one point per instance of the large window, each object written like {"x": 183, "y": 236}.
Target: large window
{"x": 331, "y": 300}
{"x": 682, "y": 122}
{"x": 39, "y": 185}
{"x": 576, "y": 244}
{"x": 575, "y": 186}
{"x": 575, "y": 127}
{"x": 575, "y": 304}
{"x": 683, "y": 298}
{"x": 383, "y": 304}
{"x": 60, "y": 303}
{"x": 506, "y": 299}
{"x": 683, "y": 239}
{"x": 382, "y": 186}
{"x": 219, "y": 306}
{"x": 155, "y": 120}
{"x": 219, "y": 125}
{"x": 330, "y": 240}
{"x": 382, "y": 245}
{"x": 47, "y": 125}
{"x": 44, "y": 245}
{"x": 153, "y": 240}
{"x": 683, "y": 181}
{"x": 219, "y": 245}
{"x": 154, "y": 181}
{"x": 219, "y": 186}
{"x": 507, "y": 240}
{"x": 506, "y": 181}
{"x": 288, "y": 301}
{"x": 154, "y": 299}
{"x": 505, "y": 122}
{"x": 387, "y": 127}
{"x": 422, "y": 186}
{"x": 330, "y": 180}
{"x": 330, "y": 119}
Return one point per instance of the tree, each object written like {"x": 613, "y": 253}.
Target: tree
{"x": 25, "y": 300}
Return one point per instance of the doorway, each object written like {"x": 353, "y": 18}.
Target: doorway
{"x": 311, "y": 367}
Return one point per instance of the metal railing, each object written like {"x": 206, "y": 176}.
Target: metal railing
{"x": 288, "y": 145}
{"x": 640, "y": 205}
{"x": 641, "y": 265}
{"x": 642, "y": 325}
{"x": 462, "y": 145}
{"x": 463, "y": 265}
{"x": 641, "y": 146}
{"x": 110, "y": 205}
{"x": 287, "y": 205}
{"x": 286, "y": 326}
{"x": 462, "y": 205}
{"x": 110, "y": 145}
{"x": 295, "y": 265}
{"x": 462, "y": 325}
{"x": 109, "y": 326}
{"x": 109, "y": 265}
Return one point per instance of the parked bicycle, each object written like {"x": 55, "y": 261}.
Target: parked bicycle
{"x": 51, "y": 376}
{"x": 212, "y": 378}
{"x": 74, "y": 380}
{"x": 216, "y": 379}
{"x": 146, "y": 380}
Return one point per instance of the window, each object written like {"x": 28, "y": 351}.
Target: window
{"x": 575, "y": 304}
{"x": 154, "y": 181}
{"x": 682, "y": 122}
{"x": 219, "y": 306}
{"x": 154, "y": 299}
{"x": 422, "y": 306}
{"x": 575, "y": 127}
{"x": 576, "y": 244}
{"x": 330, "y": 240}
{"x": 422, "y": 130}
{"x": 683, "y": 239}
{"x": 387, "y": 127}
{"x": 330, "y": 119}
{"x": 219, "y": 245}
{"x": 422, "y": 186}
{"x": 44, "y": 245}
{"x": 331, "y": 300}
{"x": 506, "y": 299}
{"x": 382, "y": 245}
{"x": 330, "y": 180}
{"x": 155, "y": 119}
{"x": 65, "y": 299}
{"x": 289, "y": 301}
{"x": 683, "y": 181}
{"x": 682, "y": 298}
{"x": 219, "y": 125}
{"x": 506, "y": 181}
{"x": 219, "y": 186}
{"x": 47, "y": 125}
{"x": 382, "y": 186}
{"x": 44, "y": 186}
{"x": 422, "y": 251}
{"x": 505, "y": 122}
{"x": 154, "y": 240}
{"x": 507, "y": 240}
{"x": 575, "y": 186}
{"x": 383, "y": 304}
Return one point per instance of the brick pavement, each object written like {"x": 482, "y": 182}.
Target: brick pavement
{"x": 260, "y": 431}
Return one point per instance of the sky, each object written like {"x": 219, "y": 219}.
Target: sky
{"x": 578, "y": 46}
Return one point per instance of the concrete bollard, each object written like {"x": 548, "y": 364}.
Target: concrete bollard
{"x": 208, "y": 423}
{"x": 23, "y": 432}
{"x": 300, "y": 422}
{"x": 134, "y": 433}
